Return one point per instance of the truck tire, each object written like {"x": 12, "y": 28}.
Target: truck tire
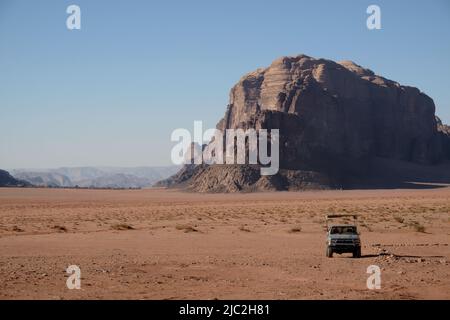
{"x": 357, "y": 253}
{"x": 329, "y": 252}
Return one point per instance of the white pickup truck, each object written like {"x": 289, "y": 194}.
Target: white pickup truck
{"x": 342, "y": 238}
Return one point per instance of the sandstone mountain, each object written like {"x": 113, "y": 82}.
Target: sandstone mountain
{"x": 336, "y": 120}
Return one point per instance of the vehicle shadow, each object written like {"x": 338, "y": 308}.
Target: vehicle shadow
{"x": 397, "y": 256}
{"x": 369, "y": 256}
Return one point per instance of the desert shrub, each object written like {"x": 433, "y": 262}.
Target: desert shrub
{"x": 122, "y": 226}
{"x": 363, "y": 224}
{"x": 186, "y": 228}
{"x": 244, "y": 228}
{"x": 17, "y": 229}
{"x": 295, "y": 229}
{"x": 399, "y": 219}
{"x": 417, "y": 226}
{"x": 60, "y": 228}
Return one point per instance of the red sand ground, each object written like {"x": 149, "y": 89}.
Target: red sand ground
{"x": 160, "y": 244}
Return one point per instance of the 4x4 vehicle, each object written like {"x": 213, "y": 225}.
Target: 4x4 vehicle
{"x": 342, "y": 238}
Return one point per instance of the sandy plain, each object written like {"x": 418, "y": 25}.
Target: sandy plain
{"x": 165, "y": 244}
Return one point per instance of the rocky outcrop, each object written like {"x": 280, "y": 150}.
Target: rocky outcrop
{"x": 7, "y": 180}
{"x": 243, "y": 178}
{"x": 444, "y": 135}
{"x": 334, "y": 119}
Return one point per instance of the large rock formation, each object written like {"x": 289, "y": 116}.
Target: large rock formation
{"x": 334, "y": 119}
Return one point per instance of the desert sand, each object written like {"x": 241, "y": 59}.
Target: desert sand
{"x": 164, "y": 244}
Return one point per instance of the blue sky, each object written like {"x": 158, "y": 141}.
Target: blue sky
{"x": 112, "y": 92}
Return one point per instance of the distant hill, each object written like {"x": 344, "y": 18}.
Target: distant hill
{"x": 95, "y": 177}
{"x": 44, "y": 179}
{"x": 7, "y": 180}
{"x": 114, "y": 181}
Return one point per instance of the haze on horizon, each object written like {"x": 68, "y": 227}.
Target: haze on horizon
{"x": 111, "y": 93}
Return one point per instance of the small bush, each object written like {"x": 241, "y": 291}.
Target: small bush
{"x": 17, "y": 229}
{"x": 186, "y": 228}
{"x": 244, "y": 228}
{"x": 417, "y": 226}
{"x": 60, "y": 228}
{"x": 122, "y": 226}
{"x": 399, "y": 219}
{"x": 365, "y": 225}
{"x": 296, "y": 229}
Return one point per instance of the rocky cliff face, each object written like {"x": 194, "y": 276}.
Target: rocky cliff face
{"x": 340, "y": 109}
{"x": 334, "y": 119}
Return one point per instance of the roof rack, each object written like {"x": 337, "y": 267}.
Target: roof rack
{"x": 331, "y": 216}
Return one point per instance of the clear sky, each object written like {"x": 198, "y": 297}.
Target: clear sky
{"x": 112, "y": 92}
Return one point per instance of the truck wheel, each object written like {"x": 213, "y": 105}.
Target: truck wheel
{"x": 329, "y": 252}
{"x": 357, "y": 253}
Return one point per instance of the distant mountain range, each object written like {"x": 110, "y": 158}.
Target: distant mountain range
{"x": 95, "y": 177}
{"x": 7, "y": 180}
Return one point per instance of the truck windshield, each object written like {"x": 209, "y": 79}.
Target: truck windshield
{"x": 343, "y": 230}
